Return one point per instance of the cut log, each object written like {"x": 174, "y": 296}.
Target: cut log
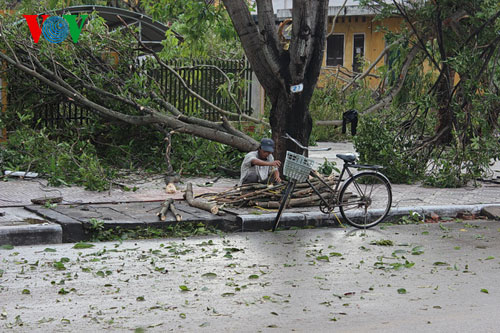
{"x": 170, "y": 189}
{"x": 164, "y": 209}
{"x": 173, "y": 209}
{"x": 198, "y": 203}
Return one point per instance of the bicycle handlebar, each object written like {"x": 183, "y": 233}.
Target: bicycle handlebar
{"x": 287, "y": 136}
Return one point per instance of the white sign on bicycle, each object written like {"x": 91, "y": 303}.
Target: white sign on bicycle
{"x": 297, "y": 88}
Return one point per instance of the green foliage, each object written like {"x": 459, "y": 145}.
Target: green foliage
{"x": 89, "y": 155}
{"x": 206, "y": 30}
{"x": 174, "y": 230}
{"x": 328, "y": 167}
{"x": 195, "y": 156}
{"x": 376, "y": 144}
{"x": 412, "y": 218}
{"x": 444, "y": 134}
{"x": 62, "y": 162}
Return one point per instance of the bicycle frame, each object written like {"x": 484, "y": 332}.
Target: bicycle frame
{"x": 328, "y": 204}
{"x": 336, "y": 190}
{"x": 337, "y": 185}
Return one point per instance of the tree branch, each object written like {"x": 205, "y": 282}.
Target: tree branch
{"x": 186, "y": 86}
{"x": 397, "y": 87}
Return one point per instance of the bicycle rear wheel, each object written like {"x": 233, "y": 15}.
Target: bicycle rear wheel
{"x": 284, "y": 201}
{"x": 365, "y": 199}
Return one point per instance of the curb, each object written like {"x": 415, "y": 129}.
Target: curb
{"x": 31, "y": 234}
{"x": 251, "y": 222}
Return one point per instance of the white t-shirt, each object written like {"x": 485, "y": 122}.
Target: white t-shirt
{"x": 262, "y": 171}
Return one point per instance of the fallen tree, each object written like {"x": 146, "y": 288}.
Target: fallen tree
{"x": 116, "y": 90}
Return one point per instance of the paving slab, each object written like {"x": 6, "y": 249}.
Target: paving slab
{"x": 492, "y": 212}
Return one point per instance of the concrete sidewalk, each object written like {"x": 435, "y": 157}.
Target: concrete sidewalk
{"x": 21, "y": 226}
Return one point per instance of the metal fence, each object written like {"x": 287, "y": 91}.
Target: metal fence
{"x": 206, "y": 79}
{"x": 62, "y": 114}
{"x": 203, "y": 77}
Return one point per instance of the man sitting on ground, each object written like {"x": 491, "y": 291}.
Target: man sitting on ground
{"x": 258, "y": 165}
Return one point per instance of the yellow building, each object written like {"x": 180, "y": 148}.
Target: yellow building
{"x": 354, "y": 44}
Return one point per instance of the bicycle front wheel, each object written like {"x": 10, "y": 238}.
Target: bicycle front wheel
{"x": 365, "y": 199}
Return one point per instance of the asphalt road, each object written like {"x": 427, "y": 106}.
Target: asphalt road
{"x": 433, "y": 278}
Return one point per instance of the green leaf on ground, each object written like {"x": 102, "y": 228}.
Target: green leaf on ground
{"x": 417, "y": 250}
{"x": 441, "y": 263}
{"x": 402, "y": 291}
{"x": 26, "y": 292}
{"x": 490, "y": 258}
{"x": 232, "y": 249}
{"x": 83, "y": 245}
{"x": 323, "y": 258}
{"x": 335, "y": 254}
{"x": 442, "y": 227}
{"x": 484, "y": 291}
{"x": 398, "y": 252}
{"x": 7, "y": 247}
{"x": 209, "y": 275}
{"x": 382, "y": 242}
{"x": 253, "y": 277}
{"x": 63, "y": 291}
{"x": 59, "y": 265}
{"x": 140, "y": 299}
{"x": 184, "y": 288}
{"x": 48, "y": 249}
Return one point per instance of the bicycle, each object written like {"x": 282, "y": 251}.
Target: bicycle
{"x": 364, "y": 200}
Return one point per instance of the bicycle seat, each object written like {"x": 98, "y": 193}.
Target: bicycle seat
{"x": 347, "y": 157}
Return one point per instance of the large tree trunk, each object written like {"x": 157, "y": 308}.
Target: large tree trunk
{"x": 278, "y": 69}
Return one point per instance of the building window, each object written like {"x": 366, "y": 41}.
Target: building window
{"x": 335, "y": 50}
{"x": 358, "y": 52}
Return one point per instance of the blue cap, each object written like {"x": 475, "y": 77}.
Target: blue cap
{"x": 267, "y": 145}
